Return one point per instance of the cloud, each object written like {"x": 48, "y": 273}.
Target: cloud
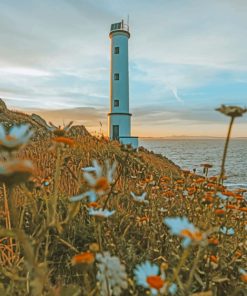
{"x": 55, "y": 54}
{"x": 89, "y": 117}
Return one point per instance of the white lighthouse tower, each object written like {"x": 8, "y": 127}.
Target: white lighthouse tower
{"x": 119, "y": 118}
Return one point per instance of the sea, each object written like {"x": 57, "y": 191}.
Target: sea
{"x": 189, "y": 154}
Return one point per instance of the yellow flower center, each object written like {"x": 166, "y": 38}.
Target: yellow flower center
{"x": 196, "y": 235}
{"x": 83, "y": 258}
{"x": 155, "y": 281}
{"x": 102, "y": 184}
{"x": 10, "y": 138}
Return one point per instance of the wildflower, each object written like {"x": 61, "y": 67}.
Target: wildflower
{"x": 99, "y": 183}
{"x": 213, "y": 259}
{"x": 140, "y": 198}
{"x": 147, "y": 276}
{"x": 94, "y": 247}
{"x": 100, "y": 213}
{"x": 238, "y": 254}
{"x": 64, "y": 140}
{"x": 165, "y": 179}
{"x": 231, "y": 207}
{"x": 243, "y": 275}
{"x": 163, "y": 210}
{"x": 220, "y": 212}
{"x": 207, "y": 165}
{"x": 173, "y": 289}
{"x": 16, "y": 138}
{"x": 182, "y": 227}
{"x": 243, "y": 209}
{"x": 232, "y": 111}
{"x": 58, "y": 130}
{"x": 200, "y": 180}
{"x": 213, "y": 241}
{"x": 142, "y": 220}
{"x": 93, "y": 205}
{"x": 16, "y": 171}
{"x": 111, "y": 274}
{"x": 83, "y": 258}
{"x": 191, "y": 190}
{"x": 222, "y": 195}
{"x": 227, "y": 231}
{"x": 208, "y": 198}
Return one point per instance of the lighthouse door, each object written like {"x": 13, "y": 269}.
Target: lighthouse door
{"x": 115, "y": 132}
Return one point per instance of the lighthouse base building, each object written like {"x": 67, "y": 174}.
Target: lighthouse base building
{"x": 119, "y": 118}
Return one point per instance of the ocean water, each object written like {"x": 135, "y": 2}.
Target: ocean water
{"x": 191, "y": 153}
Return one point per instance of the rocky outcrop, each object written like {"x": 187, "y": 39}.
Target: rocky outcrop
{"x": 38, "y": 124}
{"x": 38, "y": 119}
{"x": 3, "y": 106}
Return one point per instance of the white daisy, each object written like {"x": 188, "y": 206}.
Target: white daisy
{"x": 111, "y": 274}
{"x": 18, "y": 136}
{"x": 99, "y": 183}
{"x": 147, "y": 276}
{"x": 140, "y": 198}
{"x": 182, "y": 227}
{"x": 100, "y": 213}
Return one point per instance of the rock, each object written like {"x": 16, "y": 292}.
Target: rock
{"x": 3, "y": 106}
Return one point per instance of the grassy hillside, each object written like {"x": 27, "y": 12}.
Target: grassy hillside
{"x": 55, "y": 240}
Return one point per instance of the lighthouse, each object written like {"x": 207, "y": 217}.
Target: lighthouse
{"x": 119, "y": 118}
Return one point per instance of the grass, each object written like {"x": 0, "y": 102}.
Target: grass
{"x": 54, "y": 245}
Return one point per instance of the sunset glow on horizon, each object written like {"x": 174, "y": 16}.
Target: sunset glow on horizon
{"x": 184, "y": 61}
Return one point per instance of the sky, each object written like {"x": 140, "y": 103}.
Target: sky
{"x": 186, "y": 58}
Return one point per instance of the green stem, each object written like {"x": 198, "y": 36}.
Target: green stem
{"x": 180, "y": 265}
{"x": 99, "y": 236}
{"x": 192, "y": 272}
{"x": 225, "y": 150}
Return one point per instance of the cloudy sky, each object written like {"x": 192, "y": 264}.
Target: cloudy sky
{"x": 186, "y": 58}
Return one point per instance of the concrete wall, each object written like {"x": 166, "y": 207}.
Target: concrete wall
{"x": 124, "y": 124}
{"x": 133, "y": 141}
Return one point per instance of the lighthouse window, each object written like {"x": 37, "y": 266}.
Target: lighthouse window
{"x": 116, "y": 103}
{"x": 116, "y": 76}
{"x": 116, "y": 50}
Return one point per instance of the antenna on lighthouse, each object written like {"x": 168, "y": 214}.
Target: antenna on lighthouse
{"x": 128, "y": 20}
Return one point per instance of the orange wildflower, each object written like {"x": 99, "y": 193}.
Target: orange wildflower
{"x": 166, "y": 179}
{"x": 213, "y": 259}
{"x": 228, "y": 193}
{"x": 244, "y": 277}
{"x": 232, "y": 207}
{"x": 213, "y": 241}
{"x": 199, "y": 180}
{"x": 243, "y": 209}
{"x": 83, "y": 258}
{"x": 219, "y": 212}
{"x": 142, "y": 220}
{"x": 169, "y": 193}
{"x": 211, "y": 185}
{"x": 238, "y": 254}
{"x": 208, "y": 197}
{"x": 191, "y": 190}
{"x": 155, "y": 281}
{"x": 67, "y": 141}
{"x": 239, "y": 197}
{"x": 213, "y": 178}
